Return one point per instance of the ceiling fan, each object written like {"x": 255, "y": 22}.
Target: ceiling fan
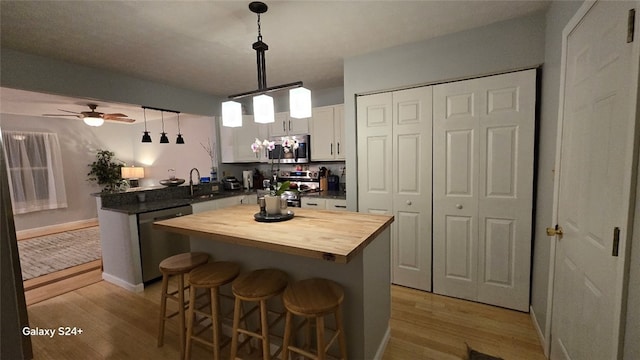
{"x": 93, "y": 117}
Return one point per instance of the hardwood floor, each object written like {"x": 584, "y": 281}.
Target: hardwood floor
{"x": 119, "y": 324}
{"x": 60, "y": 282}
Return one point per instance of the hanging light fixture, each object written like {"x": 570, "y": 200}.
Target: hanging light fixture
{"x": 146, "y": 138}
{"x": 163, "y": 138}
{"x": 180, "y": 139}
{"x": 263, "y": 107}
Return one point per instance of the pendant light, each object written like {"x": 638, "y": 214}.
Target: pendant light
{"x": 146, "y": 138}
{"x": 179, "y": 140}
{"x": 163, "y": 138}
{"x": 263, "y": 107}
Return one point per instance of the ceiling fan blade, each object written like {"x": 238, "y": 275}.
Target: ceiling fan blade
{"x": 127, "y": 120}
{"x": 59, "y": 115}
{"x": 73, "y": 112}
{"x": 115, "y": 115}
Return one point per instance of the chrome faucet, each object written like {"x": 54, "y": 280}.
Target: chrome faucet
{"x": 191, "y": 179}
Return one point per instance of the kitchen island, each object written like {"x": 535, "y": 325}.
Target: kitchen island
{"x": 350, "y": 248}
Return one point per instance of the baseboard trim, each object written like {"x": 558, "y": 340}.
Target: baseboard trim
{"x": 54, "y": 229}
{"x": 541, "y": 337}
{"x": 123, "y": 284}
{"x": 383, "y": 344}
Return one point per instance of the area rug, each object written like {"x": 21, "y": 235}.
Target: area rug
{"x": 47, "y": 254}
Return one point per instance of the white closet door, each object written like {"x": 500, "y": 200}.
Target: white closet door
{"x": 412, "y": 133}
{"x": 375, "y": 186}
{"x": 483, "y": 188}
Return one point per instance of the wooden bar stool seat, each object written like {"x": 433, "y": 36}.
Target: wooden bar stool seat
{"x": 209, "y": 276}
{"x": 177, "y": 265}
{"x": 313, "y": 299}
{"x": 257, "y": 286}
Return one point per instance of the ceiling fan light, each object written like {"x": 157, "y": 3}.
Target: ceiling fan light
{"x": 300, "y": 103}
{"x": 231, "y": 114}
{"x": 263, "y": 110}
{"x": 93, "y": 121}
{"x": 180, "y": 139}
{"x": 164, "y": 139}
{"x": 146, "y": 138}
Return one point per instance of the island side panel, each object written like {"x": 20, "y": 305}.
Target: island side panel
{"x": 377, "y": 292}
{"x": 351, "y": 276}
{"x": 120, "y": 249}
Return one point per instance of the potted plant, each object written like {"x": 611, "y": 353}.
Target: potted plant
{"x": 106, "y": 172}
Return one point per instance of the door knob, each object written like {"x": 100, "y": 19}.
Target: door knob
{"x": 408, "y": 202}
{"x": 555, "y": 231}
{"x": 458, "y": 206}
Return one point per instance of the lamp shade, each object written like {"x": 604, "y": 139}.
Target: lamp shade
{"x": 263, "y": 110}
{"x": 93, "y": 121}
{"x": 300, "y": 103}
{"x": 132, "y": 172}
{"x": 231, "y": 114}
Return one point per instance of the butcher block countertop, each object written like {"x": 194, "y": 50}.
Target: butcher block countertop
{"x": 322, "y": 234}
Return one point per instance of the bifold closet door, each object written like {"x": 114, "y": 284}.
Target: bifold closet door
{"x": 394, "y": 176}
{"x": 483, "y": 150}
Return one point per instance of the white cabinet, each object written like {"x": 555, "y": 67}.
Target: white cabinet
{"x": 286, "y": 125}
{"x": 324, "y": 204}
{"x": 223, "y": 203}
{"x": 235, "y": 143}
{"x": 336, "y": 204}
{"x": 327, "y": 133}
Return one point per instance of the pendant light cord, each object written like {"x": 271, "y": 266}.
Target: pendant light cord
{"x": 259, "y": 28}
{"x": 178, "y": 123}
{"x": 144, "y": 111}
{"x": 162, "y": 117}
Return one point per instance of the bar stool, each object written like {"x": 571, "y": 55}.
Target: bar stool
{"x": 313, "y": 299}
{"x": 180, "y": 265}
{"x": 209, "y": 276}
{"x": 257, "y": 286}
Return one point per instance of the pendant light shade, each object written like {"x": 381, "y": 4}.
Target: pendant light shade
{"x": 163, "y": 138}
{"x": 300, "y": 103}
{"x": 93, "y": 121}
{"x": 180, "y": 139}
{"x": 146, "y": 138}
{"x": 263, "y": 111}
{"x": 231, "y": 114}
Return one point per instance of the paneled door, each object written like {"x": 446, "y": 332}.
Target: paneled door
{"x": 394, "y": 176}
{"x": 594, "y": 182}
{"x": 483, "y": 151}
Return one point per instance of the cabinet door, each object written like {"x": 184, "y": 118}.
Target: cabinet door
{"x": 322, "y": 145}
{"x": 297, "y": 126}
{"x": 203, "y": 206}
{"x": 279, "y": 127}
{"x": 313, "y": 203}
{"x": 229, "y": 201}
{"x": 245, "y": 136}
{"x": 336, "y": 204}
{"x": 338, "y": 132}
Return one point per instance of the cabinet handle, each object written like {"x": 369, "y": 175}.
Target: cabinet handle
{"x": 289, "y": 125}
{"x": 408, "y": 202}
{"x": 338, "y": 148}
{"x": 312, "y": 204}
{"x": 341, "y": 206}
{"x": 458, "y": 206}
{"x": 283, "y": 127}
{"x": 331, "y": 148}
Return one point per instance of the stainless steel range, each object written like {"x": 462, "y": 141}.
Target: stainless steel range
{"x": 303, "y": 181}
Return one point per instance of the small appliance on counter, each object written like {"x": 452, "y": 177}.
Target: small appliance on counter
{"x": 247, "y": 179}
{"x": 231, "y": 183}
{"x": 333, "y": 183}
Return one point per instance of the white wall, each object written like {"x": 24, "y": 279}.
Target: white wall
{"x": 506, "y": 45}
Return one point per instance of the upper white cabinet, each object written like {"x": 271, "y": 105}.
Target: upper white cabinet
{"x": 235, "y": 143}
{"x": 286, "y": 125}
{"x": 327, "y": 133}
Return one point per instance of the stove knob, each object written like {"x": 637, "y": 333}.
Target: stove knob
{"x": 314, "y": 174}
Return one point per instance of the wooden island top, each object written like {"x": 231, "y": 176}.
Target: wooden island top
{"x": 330, "y": 235}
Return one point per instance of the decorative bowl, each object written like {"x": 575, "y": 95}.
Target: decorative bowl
{"x": 172, "y": 182}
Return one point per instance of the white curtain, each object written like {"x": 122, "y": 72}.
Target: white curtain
{"x": 34, "y": 166}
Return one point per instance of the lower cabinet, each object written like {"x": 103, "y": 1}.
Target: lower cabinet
{"x": 223, "y": 203}
{"x": 324, "y": 204}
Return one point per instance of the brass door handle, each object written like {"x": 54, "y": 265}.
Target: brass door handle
{"x": 555, "y": 231}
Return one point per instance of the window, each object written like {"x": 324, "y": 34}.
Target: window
{"x": 34, "y": 168}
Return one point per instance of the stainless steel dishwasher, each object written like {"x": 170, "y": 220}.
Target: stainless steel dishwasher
{"x": 157, "y": 245}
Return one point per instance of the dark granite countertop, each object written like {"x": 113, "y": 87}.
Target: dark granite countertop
{"x": 128, "y": 203}
{"x": 327, "y": 195}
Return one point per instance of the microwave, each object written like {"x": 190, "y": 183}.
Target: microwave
{"x": 299, "y": 156}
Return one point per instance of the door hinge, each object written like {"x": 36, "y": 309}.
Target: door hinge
{"x": 616, "y": 241}
{"x": 631, "y": 21}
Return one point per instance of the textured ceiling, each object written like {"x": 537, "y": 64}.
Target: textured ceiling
{"x": 206, "y": 45}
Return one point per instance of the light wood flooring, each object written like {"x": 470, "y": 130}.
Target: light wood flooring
{"x": 119, "y": 324}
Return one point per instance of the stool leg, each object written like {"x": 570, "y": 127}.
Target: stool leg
{"x": 287, "y": 336}
{"x": 266, "y": 351}
{"x": 236, "y": 324}
{"x": 341, "y": 337}
{"x": 163, "y": 309}
{"x": 192, "y": 305}
{"x": 215, "y": 312}
{"x": 183, "y": 326}
{"x": 320, "y": 337}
